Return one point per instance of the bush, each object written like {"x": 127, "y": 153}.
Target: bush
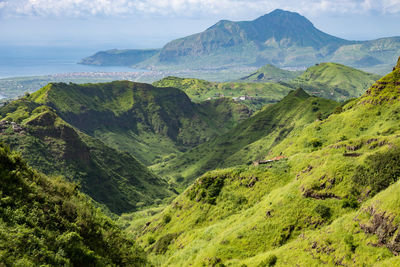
{"x": 315, "y": 142}
{"x": 350, "y": 202}
{"x": 338, "y": 110}
{"x": 161, "y": 246}
{"x": 270, "y": 261}
{"x": 349, "y": 240}
{"x": 381, "y": 170}
{"x": 323, "y": 211}
{"x": 207, "y": 188}
{"x": 166, "y": 218}
{"x": 151, "y": 240}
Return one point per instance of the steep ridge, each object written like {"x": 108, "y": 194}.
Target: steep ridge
{"x": 246, "y": 142}
{"x": 47, "y": 221}
{"x": 49, "y": 144}
{"x": 331, "y": 199}
{"x": 146, "y": 121}
{"x": 335, "y": 81}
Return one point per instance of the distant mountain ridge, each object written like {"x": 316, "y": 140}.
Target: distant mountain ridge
{"x": 281, "y": 38}
{"x": 276, "y": 29}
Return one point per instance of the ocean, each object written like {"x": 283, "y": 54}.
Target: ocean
{"x": 22, "y": 61}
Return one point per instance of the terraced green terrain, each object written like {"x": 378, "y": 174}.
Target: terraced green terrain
{"x": 335, "y": 81}
{"x": 330, "y": 198}
{"x": 304, "y": 181}
{"x": 250, "y": 140}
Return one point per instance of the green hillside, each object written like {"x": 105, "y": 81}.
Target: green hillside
{"x": 145, "y": 121}
{"x": 331, "y": 199}
{"x": 258, "y": 95}
{"x": 48, "y": 222}
{"x": 328, "y": 80}
{"x": 270, "y": 73}
{"x": 250, "y": 140}
{"x": 334, "y": 81}
{"x": 49, "y": 144}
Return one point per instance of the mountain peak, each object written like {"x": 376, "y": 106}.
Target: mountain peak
{"x": 281, "y": 12}
{"x": 299, "y": 92}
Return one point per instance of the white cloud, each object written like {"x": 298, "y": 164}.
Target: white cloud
{"x": 189, "y": 8}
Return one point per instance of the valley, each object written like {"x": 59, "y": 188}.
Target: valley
{"x": 260, "y": 143}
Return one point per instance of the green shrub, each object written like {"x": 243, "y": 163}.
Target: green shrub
{"x": 270, "y": 261}
{"x": 349, "y": 240}
{"x": 166, "y": 218}
{"x": 350, "y": 202}
{"x": 338, "y": 110}
{"x": 380, "y": 170}
{"x": 207, "y": 188}
{"x": 323, "y": 211}
{"x": 315, "y": 143}
{"x": 161, "y": 246}
{"x": 151, "y": 240}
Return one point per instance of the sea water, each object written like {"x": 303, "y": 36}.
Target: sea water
{"x": 21, "y": 61}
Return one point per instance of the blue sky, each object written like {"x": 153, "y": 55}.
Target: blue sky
{"x": 105, "y": 24}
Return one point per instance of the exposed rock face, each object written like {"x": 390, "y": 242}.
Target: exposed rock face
{"x": 382, "y": 225}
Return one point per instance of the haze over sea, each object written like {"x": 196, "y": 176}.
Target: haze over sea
{"x": 21, "y": 61}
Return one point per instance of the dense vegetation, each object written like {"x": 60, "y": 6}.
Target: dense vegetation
{"x": 335, "y": 81}
{"x": 249, "y": 141}
{"x": 54, "y": 147}
{"x": 332, "y": 198}
{"x": 47, "y": 221}
{"x": 145, "y": 121}
{"x": 328, "y": 80}
{"x": 259, "y": 94}
{"x": 306, "y": 180}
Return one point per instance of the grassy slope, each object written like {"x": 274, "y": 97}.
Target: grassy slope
{"x": 146, "y": 121}
{"x": 328, "y": 80}
{"x": 51, "y": 145}
{"x": 250, "y": 140}
{"x": 310, "y": 209}
{"x": 270, "y": 73}
{"x": 199, "y": 90}
{"x": 47, "y": 221}
{"x": 335, "y": 81}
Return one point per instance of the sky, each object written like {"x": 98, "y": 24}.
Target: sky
{"x": 106, "y": 24}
